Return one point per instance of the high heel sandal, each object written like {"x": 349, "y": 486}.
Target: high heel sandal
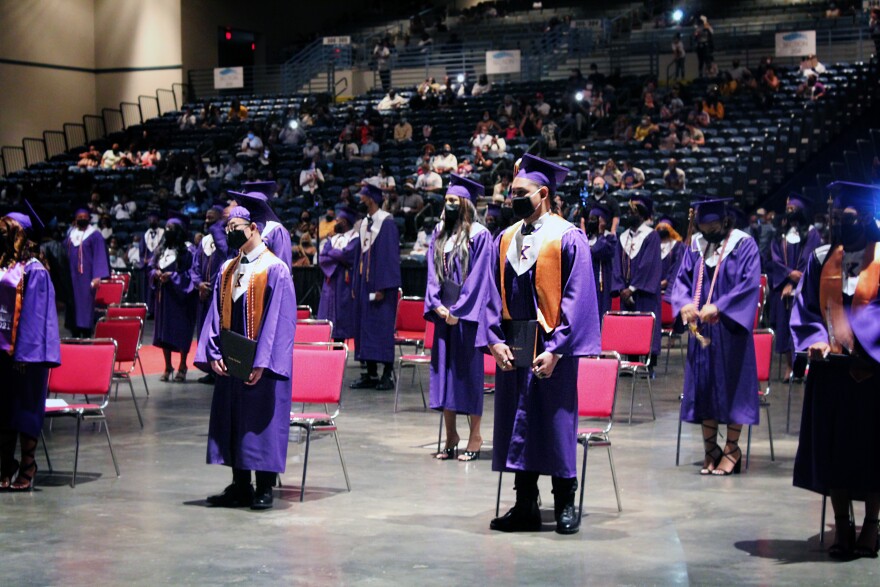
{"x": 844, "y": 540}
{"x": 180, "y": 377}
{"x": 447, "y": 453}
{"x": 6, "y": 476}
{"x": 470, "y": 455}
{"x": 867, "y": 552}
{"x": 726, "y": 455}
{"x": 28, "y": 478}
{"x": 166, "y": 375}
{"x": 715, "y": 450}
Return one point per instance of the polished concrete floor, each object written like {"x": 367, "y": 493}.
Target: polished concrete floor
{"x": 409, "y": 520}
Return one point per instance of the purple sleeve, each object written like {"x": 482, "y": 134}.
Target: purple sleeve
{"x": 386, "y": 274}
{"x": 37, "y": 337}
{"x": 494, "y": 311}
{"x": 97, "y": 249}
{"x": 866, "y": 328}
{"x": 221, "y": 247}
{"x": 807, "y": 325}
{"x": 278, "y": 241}
{"x": 813, "y": 240}
{"x": 676, "y": 253}
{"x": 471, "y": 302}
{"x": 181, "y": 278}
{"x": 208, "y": 348}
{"x": 432, "y": 291}
{"x": 326, "y": 260}
{"x": 647, "y": 269}
{"x": 578, "y": 331}
{"x": 275, "y": 340}
{"x": 683, "y": 284}
{"x": 195, "y": 269}
{"x": 778, "y": 271}
{"x": 740, "y": 302}
{"x": 604, "y": 248}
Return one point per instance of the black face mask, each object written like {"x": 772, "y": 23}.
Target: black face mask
{"x": 362, "y": 207}
{"x": 329, "y": 217}
{"x": 593, "y": 225}
{"x": 632, "y": 221}
{"x": 236, "y": 239}
{"x": 82, "y": 223}
{"x": 713, "y": 236}
{"x": 664, "y": 234}
{"x": 795, "y": 218}
{"x": 450, "y": 214}
{"x": 523, "y": 207}
{"x": 598, "y": 193}
{"x": 340, "y": 228}
{"x": 171, "y": 237}
{"x": 154, "y": 225}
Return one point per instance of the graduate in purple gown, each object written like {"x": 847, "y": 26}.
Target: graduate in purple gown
{"x": 671, "y": 251}
{"x": 148, "y": 246}
{"x": 208, "y": 257}
{"x": 337, "y": 261}
{"x": 29, "y": 347}
{"x": 250, "y": 420}
{"x": 376, "y": 283}
{"x": 603, "y": 248}
{"x": 836, "y": 320}
{"x": 542, "y": 272}
{"x": 494, "y": 220}
{"x": 790, "y": 253}
{"x": 716, "y": 294}
{"x": 637, "y": 267}
{"x": 89, "y": 264}
{"x": 175, "y": 307}
{"x": 255, "y": 197}
{"x": 460, "y": 263}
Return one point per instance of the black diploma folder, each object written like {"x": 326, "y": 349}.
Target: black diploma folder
{"x": 449, "y": 292}
{"x": 238, "y": 354}
{"x": 522, "y": 338}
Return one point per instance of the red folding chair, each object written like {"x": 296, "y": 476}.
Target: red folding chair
{"x": 303, "y": 312}
{"x": 667, "y": 322}
{"x": 409, "y": 328}
{"x": 414, "y": 361}
{"x": 318, "y": 373}
{"x": 127, "y": 332}
{"x": 313, "y": 331}
{"x": 597, "y": 395}
{"x": 489, "y": 366}
{"x": 125, "y": 278}
{"x": 108, "y": 292}
{"x": 127, "y": 311}
{"x": 86, "y": 369}
{"x": 631, "y": 333}
{"x": 764, "y": 355}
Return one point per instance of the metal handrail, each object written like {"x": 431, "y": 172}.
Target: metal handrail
{"x": 55, "y": 147}
{"x": 34, "y": 150}
{"x": 126, "y": 107}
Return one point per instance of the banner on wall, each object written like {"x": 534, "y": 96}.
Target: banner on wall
{"x": 228, "y": 77}
{"x": 502, "y": 62}
{"x": 795, "y": 44}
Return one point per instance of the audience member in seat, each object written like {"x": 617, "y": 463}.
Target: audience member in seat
{"x": 674, "y": 176}
{"x": 237, "y": 112}
{"x": 403, "y": 131}
{"x": 460, "y": 263}
{"x": 392, "y": 101}
{"x": 111, "y": 157}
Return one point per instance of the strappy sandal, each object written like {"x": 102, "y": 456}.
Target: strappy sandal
{"x": 714, "y": 452}
{"x": 865, "y": 551}
{"x": 727, "y": 455}
{"x": 447, "y": 454}
{"x": 7, "y": 475}
{"x": 845, "y": 538}
{"x": 25, "y": 479}
{"x": 180, "y": 377}
{"x": 166, "y": 376}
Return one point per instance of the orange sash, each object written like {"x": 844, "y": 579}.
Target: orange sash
{"x": 548, "y": 279}
{"x": 254, "y": 303}
{"x": 831, "y": 293}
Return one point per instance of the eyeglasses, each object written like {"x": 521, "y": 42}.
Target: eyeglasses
{"x": 231, "y": 227}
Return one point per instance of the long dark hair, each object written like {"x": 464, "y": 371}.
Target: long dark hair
{"x": 15, "y": 247}
{"x": 462, "y": 233}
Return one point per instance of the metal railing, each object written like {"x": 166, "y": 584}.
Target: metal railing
{"x": 56, "y": 143}
{"x": 13, "y": 159}
{"x": 34, "y": 150}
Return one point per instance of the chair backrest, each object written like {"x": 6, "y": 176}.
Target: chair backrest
{"x": 303, "y": 312}
{"x": 127, "y": 311}
{"x": 109, "y": 292}
{"x": 318, "y": 373}
{"x": 127, "y": 334}
{"x": 313, "y": 331}
{"x": 667, "y": 317}
{"x": 763, "y": 352}
{"x": 124, "y": 277}
{"x": 628, "y": 333}
{"x": 411, "y": 314}
{"x": 429, "y": 335}
{"x": 489, "y": 365}
{"x": 597, "y": 385}
{"x": 86, "y": 367}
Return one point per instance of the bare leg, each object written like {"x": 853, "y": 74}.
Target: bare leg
{"x": 452, "y": 437}
{"x": 732, "y": 459}
{"x": 844, "y": 532}
{"x": 181, "y": 369}
{"x": 867, "y": 542}
{"x": 710, "y": 446}
{"x": 166, "y": 353}
{"x": 475, "y": 441}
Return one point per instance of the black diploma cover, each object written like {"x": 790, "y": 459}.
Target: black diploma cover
{"x": 449, "y": 292}
{"x": 522, "y": 338}
{"x": 238, "y": 354}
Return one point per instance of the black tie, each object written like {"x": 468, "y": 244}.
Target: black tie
{"x": 244, "y": 260}
{"x": 527, "y": 229}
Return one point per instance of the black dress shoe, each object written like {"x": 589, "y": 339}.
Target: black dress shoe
{"x": 234, "y": 496}
{"x": 263, "y": 499}
{"x": 523, "y": 517}
{"x": 365, "y": 382}
{"x": 385, "y": 383}
{"x": 207, "y": 379}
{"x": 568, "y": 521}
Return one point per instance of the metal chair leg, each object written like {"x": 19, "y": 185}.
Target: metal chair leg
{"x": 76, "y": 450}
{"x": 614, "y": 479}
{"x": 440, "y": 433}
{"x": 586, "y": 444}
{"x": 822, "y": 521}
{"x": 143, "y": 375}
{"x": 748, "y": 447}
{"x": 498, "y": 496}
{"x": 668, "y": 352}
{"x": 46, "y": 452}
{"x": 302, "y": 491}
{"x": 110, "y": 444}
{"x": 422, "y": 389}
{"x": 397, "y": 385}
{"x": 651, "y": 395}
{"x": 134, "y": 399}
{"x": 632, "y": 400}
{"x": 678, "y": 442}
{"x": 770, "y": 433}
{"x": 342, "y": 460}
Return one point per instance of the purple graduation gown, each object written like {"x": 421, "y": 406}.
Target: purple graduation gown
{"x": 206, "y": 267}
{"x": 669, "y": 267}
{"x": 839, "y": 444}
{"x": 794, "y": 257}
{"x": 336, "y": 303}
{"x": 536, "y": 419}
{"x": 378, "y": 269}
{"x": 23, "y": 401}
{"x": 643, "y": 272}
{"x": 175, "y": 303}
{"x": 147, "y": 255}
{"x": 277, "y": 238}
{"x": 456, "y": 359}
{"x": 87, "y": 261}
{"x": 721, "y": 380}
{"x": 602, "y": 251}
{"x": 250, "y": 425}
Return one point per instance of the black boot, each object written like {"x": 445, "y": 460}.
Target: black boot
{"x": 263, "y": 498}
{"x": 368, "y": 380}
{"x": 567, "y": 519}
{"x": 238, "y": 495}
{"x": 387, "y": 381}
{"x": 524, "y": 516}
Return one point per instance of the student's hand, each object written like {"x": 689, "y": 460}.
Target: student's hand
{"x": 709, "y": 314}
{"x": 95, "y": 282}
{"x": 380, "y": 295}
{"x": 690, "y": 314}
{"x": 451, "y": 320}
{"x": 795, "y": 276}
{"x": 442, "y": 312}
{"x": 819, "y": 351}
{"x": 256, "y": 374}
{"x": 219, "y": 367}
{"x": 502, "y": 355}
{"x": 544, "y": 364}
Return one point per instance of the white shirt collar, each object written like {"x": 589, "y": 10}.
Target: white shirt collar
{"x": 712, "y": 252}
{"x": 253, "y": 255}
{"x": 632, "y": 240}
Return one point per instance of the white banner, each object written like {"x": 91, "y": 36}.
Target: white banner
{"x": 795, "y": 44}
{"x": 595, "y": 24}
{"x": 503, "y": 62}
{"x": 228, "y": 77}
{"x": 346, "y": 40}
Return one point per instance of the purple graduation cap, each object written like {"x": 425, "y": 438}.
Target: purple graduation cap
{"x": 797, "y": 201}
{"x": 372, "y": 192}
{"x": 239, "y": 212}
{"x": 855, "y": 195}
{"x": 22, "y": 219}
{"x": 541, "y": 172}
{"x": 711, "y": 210}
{"x": 664, "y": 220}
{"x": 178, "y": 218}
{"x": 348, "y": 214}
{"x": 82, "y": 210}
{"x": 464, "y": 188}
{"x": 493, "y": 210}
{"x": 267, "y": 188}
{"x": 257, "y": 204}
{"x": 601, "y": 211}
{"x": 643, "y": 199}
